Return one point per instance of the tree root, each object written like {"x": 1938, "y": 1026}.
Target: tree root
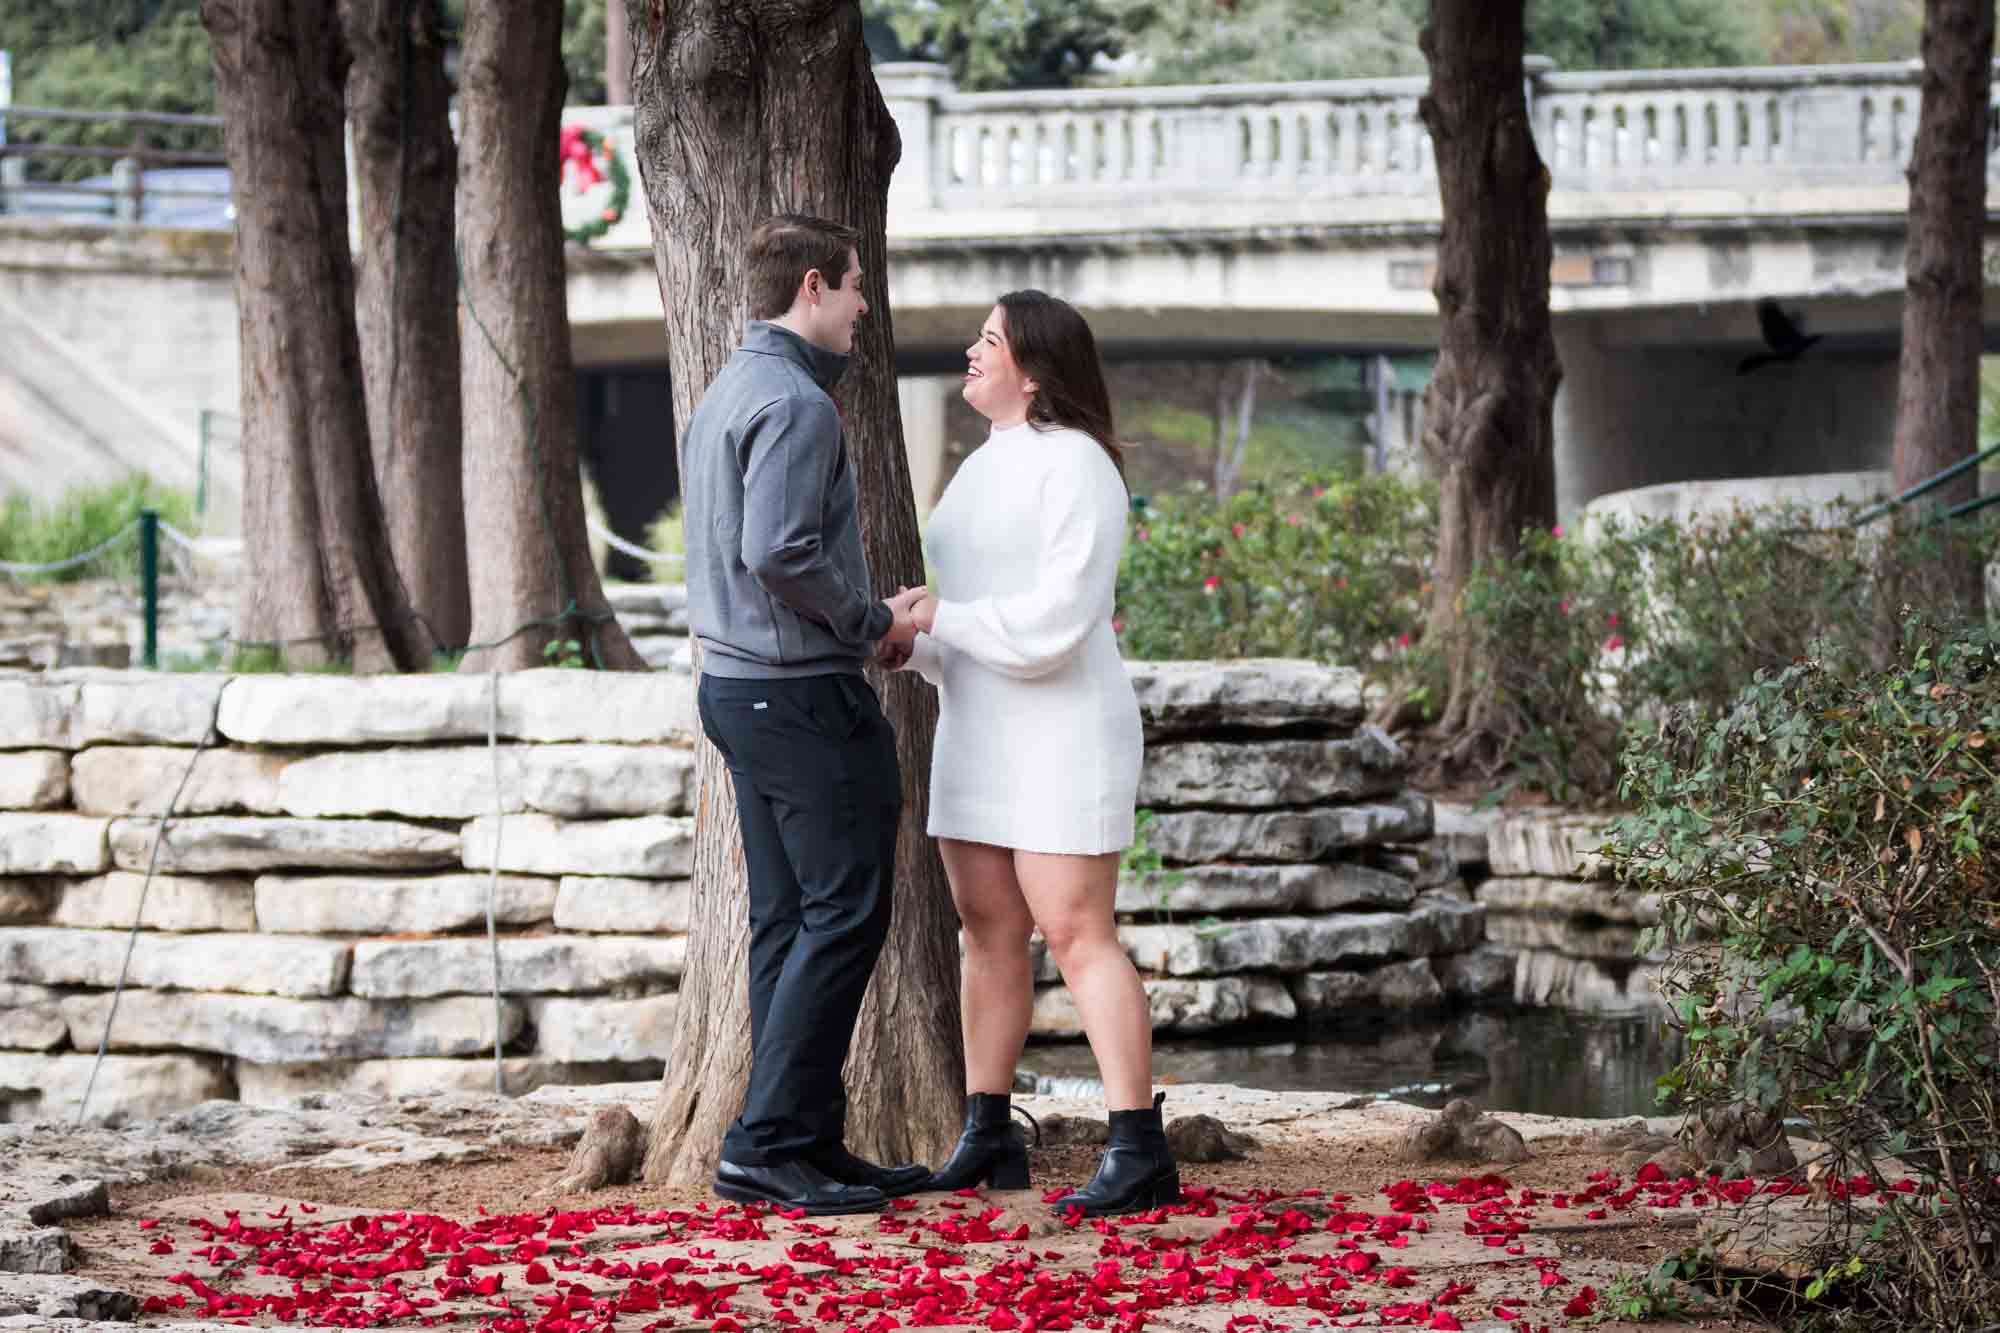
{"x": 608, "y": 1153}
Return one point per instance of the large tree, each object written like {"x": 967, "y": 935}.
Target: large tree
{"x": 319, "y": 580}
{"x": 747, "y": 108}
{"x": 1937, "y": 384}
{"x": 1488, "y": 430}
{"x": 405, "y": 167}
{"x": 528, "y": 554}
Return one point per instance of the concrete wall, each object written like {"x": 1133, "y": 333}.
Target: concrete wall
{"x": 319, "y": 913}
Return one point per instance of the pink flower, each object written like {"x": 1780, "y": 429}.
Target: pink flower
{"x": 1614, "y": 620}
{"x": 1563, "y": 606}
{"x": 1341, "y": 583}
{"x": 1318, "y": 491}
{"x": 1292, "y": 520}
{"x": 1403, "y": 640}
{"x": 1211, "y": 583}
{"x": 1237, "y": 529}
{"x": 1143, "y": 534}
{"x": 1613, "y": 644}
{"x": 1117, "y": 625}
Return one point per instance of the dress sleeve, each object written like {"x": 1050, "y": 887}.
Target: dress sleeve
{"x": 926, "y": 659}
{"x": 1032, "y": 632}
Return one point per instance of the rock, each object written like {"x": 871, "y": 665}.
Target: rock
{"x": 600, "y": 780}
{"x": 34, "y": 779}
{"x": 145, "y": 708}
{"x": 1301, "y": 943}
{"x": 1552, "y": 844}
{"x": 1594, "y": 899}
{"x": 77, "y": 1198}
{"x": 1462, "y": 831}
{"x": 535, "y": 965}
{"x": 1199, "y": 836}
{"x": 1482, "y": 975}
{"x": 272, "y": 1030}
{"x": 397, "y": 904}
{"x": 1404, "y": 986}
{"x": 1177, "y": 1006}
{"x": 1675, "y": 1162}
{"x": 1262, "y": 888}
{"x": 1741, "y": 1139}
{"x": 549, "y": 705}
{"x": 1425, "y": 865}
{"x": 1180, "y": 697}
{"x": 139, "y": 780}
{"x": 1573, "y": 938}
{"x": 26, "y": 901}
{"x": 53, "y": 844}
{"x": 1555, "y": 981}
{"x": 31, "y": 1249}
{"x": 1203, "y": 1138}
{"x": 1064, "y": 1130}
{"x": 279, "y": 1084}
{"x": 1460, "y": 1133}
{"x": 610, "y": 1151}
{"x": 640, "y": 598}
{"x": 654, "y": 846}
{"x": 1258, "y": 775}
{"x": 173, "y": 903}
{"x": 605, "y": 903}
{"x": 30, "y": 1018}
{"x": 257, "y": 964}
{"x": 212, "y": 843}
{"x": 454, "y": 782}
{"x": 52, "y": 1297}
{"x": 129, "y": 1087}
{"x": 592, "y": 1031}
{"x": 1455, "y": 892}
{"x": 34, "y": 714}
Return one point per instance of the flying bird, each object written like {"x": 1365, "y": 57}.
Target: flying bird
{"x": 1781, "y": 334}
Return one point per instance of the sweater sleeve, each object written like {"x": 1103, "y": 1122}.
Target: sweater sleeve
{"x": 790, "y": 451}
{"x": 926, "y": 659}
{"x": 1032, "y": 632}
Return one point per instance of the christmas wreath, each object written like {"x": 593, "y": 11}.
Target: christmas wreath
{"x": 588, "y": 160}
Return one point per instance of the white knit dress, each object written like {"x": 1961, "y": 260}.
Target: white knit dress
{"x": 1038, "y": 736}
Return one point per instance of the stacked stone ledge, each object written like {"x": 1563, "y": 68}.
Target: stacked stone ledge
{"x": 1292, "y": 886}
{"x": 318, "y": 910}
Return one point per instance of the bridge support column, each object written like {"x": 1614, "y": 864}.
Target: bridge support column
{"x": 924, "y": 400}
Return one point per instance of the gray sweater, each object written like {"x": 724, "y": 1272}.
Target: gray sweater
{"x": 776, "y": 581}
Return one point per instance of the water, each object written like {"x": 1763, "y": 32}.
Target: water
{"x": 1544, "y": 1061}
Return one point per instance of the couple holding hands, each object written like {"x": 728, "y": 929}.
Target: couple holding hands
{"x": 1038, "y": 735}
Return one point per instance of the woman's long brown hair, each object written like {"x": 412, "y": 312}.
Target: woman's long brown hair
{"x": 1053, "y": 346}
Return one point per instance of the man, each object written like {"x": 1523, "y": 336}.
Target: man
{"x": 779, "y": 596}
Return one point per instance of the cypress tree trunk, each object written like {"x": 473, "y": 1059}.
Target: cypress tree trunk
{"x": 1488, "y": 429}
{"x": 743, "y": 110}
{"x": 319, "y": 580}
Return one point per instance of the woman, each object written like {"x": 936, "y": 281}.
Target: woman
{"x": 1037, "y": 755}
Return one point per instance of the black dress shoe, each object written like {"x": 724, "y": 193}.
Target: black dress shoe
{"x": 836, "y": 1163}
{"x": 795, "y": 1184}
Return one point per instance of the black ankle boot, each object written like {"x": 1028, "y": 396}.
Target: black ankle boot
{"x": 1137, "y": 1170}
{"x": 989, "y": 1151}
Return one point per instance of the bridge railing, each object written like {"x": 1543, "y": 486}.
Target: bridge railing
{"x": 113, "y": 164}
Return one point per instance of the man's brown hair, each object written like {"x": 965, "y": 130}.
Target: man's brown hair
{"x": 783, "y": 249}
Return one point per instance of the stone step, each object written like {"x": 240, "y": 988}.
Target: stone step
{"x": 1176, "y": 698}
{"x": 398, "y": 904}
{"x": 1259, "y": 775}
{"x": 286, "y": 965}
{"x": 1182, "y": 1006}
{"x": 535, "y": 965}
{"x": 1191, "y": 837}
{"x": 207, "y": 844}
{"x": 274, "y": 1030}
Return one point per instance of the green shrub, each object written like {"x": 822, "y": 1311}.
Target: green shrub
{"x": 1827, "y": 854}
{"x": 40, "y": 534}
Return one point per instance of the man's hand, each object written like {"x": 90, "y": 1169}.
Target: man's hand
{"x": 891, "y": 656}
{"x": 903, "y": 631}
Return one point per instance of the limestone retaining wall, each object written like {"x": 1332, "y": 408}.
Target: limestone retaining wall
{"x": 318, "y": 913}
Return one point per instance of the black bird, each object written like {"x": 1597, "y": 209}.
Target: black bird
{"x": 1781, "y": 334}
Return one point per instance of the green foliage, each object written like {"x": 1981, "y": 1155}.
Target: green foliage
{"x": 1827, "y": 855}
{"x": 1329, "y": 569}
{"x": 1636, "y": 1297}
{"x": 563, "y": 653}
{"x": 1832, "y": 31}
{"x": 1202, "y": 41}
{"x": 583, "y": 51}
{"x": 38, "y": 533}
{"x": 1005, "y": 43}
{"x": 1643, "y": 34}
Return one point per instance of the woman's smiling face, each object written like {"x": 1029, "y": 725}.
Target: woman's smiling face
{"x": 995, "y": 385}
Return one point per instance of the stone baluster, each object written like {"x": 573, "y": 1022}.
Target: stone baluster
{"x": 1827, "y": 123}
{"x": 912, "y": 90}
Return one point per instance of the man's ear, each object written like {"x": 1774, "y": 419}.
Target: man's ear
{"x": 813, "y": 282}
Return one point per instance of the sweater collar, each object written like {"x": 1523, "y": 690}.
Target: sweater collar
{"x": 768, "y": 339}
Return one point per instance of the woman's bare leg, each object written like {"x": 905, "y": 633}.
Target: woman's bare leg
{"x": 1072, "y": 899}
{"x": 996, "y": 988}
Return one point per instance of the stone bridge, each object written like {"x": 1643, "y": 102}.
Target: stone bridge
{"x": 1207, "y": 221}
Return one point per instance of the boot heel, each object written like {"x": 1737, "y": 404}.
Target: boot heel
{"x": 1009, "y": 1171}
{"x": 1166, "y": 1190}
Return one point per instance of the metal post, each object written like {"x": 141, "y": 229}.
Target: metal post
{"x": 201, "y": 472}
{"x": 149, "y": 584}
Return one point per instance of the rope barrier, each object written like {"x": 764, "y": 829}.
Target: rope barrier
{"x": 493, "y": 872}
{"x": 637, "y": 552}
{"x": 56, "y": 567}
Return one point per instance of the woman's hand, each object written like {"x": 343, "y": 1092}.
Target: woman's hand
{"x": 924, "y": 613}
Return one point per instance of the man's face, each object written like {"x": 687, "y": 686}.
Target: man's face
{"x": 836, "y": 309}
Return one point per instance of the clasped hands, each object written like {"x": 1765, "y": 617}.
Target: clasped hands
{"x": 914, "y": 610}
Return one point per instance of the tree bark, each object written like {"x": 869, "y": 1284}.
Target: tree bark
{"x": 527, "y": 551}
{"x": 617, "y": 55}
{"x": 407, "y": 315}
{"x": 743, "y": 110}
{"x": 320, "y": 583}
{"x": 1488, "y": 429}
{"x": 1937, "y": 385}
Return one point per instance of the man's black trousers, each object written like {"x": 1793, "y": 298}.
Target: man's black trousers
{"x": 819, "y": 794}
